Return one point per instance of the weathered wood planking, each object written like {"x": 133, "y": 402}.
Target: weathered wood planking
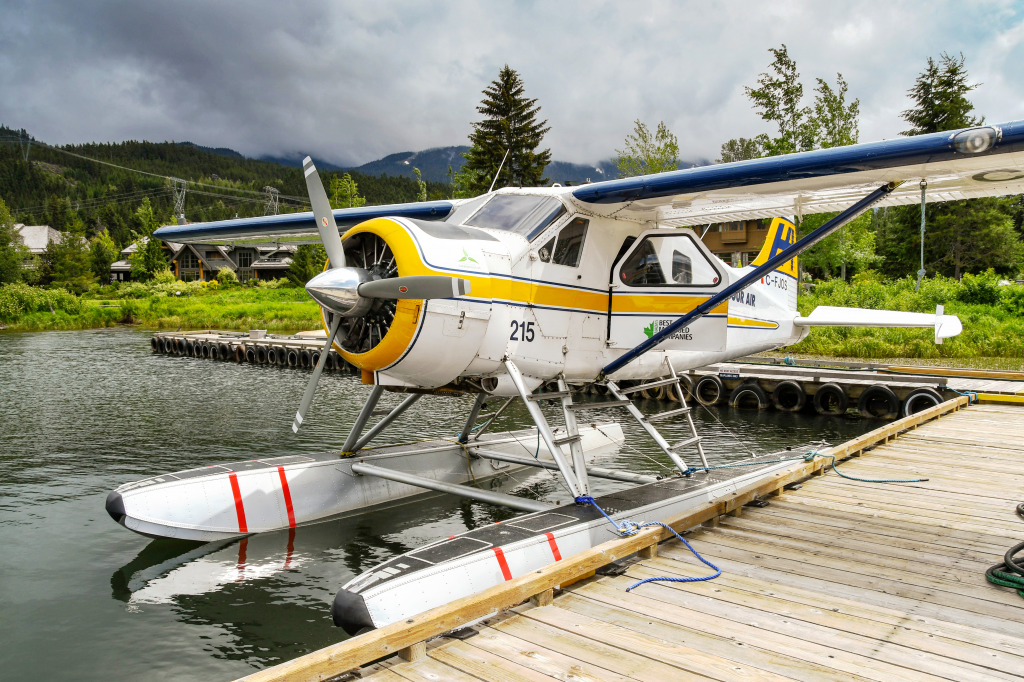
{"x": 839, "y": 580}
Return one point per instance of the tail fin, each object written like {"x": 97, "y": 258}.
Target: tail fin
{"x": 781, "y": 234}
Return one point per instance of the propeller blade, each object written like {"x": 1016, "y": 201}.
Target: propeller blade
{"x": 323, "y": 214}
{"x": 307, "y": 397}
{"x": 423, "y": 286}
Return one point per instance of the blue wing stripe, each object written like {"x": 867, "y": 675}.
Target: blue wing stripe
{"x": 298, "y": 223}
{"x": 873, "y": 156}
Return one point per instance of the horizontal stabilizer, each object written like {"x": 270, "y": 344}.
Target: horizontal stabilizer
{"x": 946, "y": 326}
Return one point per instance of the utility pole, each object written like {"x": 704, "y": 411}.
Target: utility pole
{"x": 920, "y": 273}
{"x": 178, "y": 186}
{"x": 270, "y": 208}
{"x": 25, "y": 142}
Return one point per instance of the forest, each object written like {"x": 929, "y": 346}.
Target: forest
{"x": 89, "y": 188}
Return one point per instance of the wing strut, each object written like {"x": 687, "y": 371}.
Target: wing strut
{"x": 754, "y": 275}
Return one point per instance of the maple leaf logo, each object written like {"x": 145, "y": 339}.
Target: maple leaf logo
{"x": 649, "y": 330}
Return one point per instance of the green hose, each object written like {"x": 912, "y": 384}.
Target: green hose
{"x": 1010, "y": 573}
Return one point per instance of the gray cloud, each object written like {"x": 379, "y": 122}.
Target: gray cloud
{"x": 354, "y": 81}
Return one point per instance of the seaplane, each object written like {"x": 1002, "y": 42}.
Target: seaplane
{"x": 522, "y": 293}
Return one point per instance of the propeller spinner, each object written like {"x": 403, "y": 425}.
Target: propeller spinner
{"x": 348, "y": 291}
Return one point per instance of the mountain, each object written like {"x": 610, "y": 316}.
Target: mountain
{"x": 434, "y": 163}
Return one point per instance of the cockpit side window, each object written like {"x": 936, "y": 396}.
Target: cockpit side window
{"x": 668, "y": 260}
{"x": 569, "y": 247}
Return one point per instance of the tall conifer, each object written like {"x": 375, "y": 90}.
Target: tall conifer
{"x": 510, "y": 125}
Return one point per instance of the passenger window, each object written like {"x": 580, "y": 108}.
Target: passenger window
{"x": 672, "y": 260}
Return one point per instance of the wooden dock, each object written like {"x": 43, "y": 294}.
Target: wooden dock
{"x": 835, "y": 580}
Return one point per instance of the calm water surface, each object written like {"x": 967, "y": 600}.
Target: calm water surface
{"x": 82, "y": 598}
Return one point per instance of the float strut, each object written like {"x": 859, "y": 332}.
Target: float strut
{"x": 364, "y": 416}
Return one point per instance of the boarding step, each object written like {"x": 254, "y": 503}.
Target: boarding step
{"x": 599, "y": 405}
{"x": 552, "y": 395}
{"x": 567, "y": 439}
{"x": 666, "y": 414}
{"x": 650, "y": 384}
{"x": 685, "y": 443}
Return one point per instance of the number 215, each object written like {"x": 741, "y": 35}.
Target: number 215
{"x": 522, "y": 331}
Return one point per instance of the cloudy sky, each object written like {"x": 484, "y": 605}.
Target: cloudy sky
{"x": 352, "y": 82}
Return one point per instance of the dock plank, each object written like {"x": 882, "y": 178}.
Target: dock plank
{"x": 834, "y": 580}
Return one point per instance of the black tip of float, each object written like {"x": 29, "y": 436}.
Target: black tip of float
{"x": 115, "y": 507}
{"x": 349, "y": 613}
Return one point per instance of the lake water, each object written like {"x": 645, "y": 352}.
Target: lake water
{"x": 83, "y": 598}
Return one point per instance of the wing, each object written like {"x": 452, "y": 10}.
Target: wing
{"x": 960, "y": 164}
{"x": 298, "y": 224}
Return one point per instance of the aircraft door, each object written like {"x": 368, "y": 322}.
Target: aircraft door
{"x": 663, "y": 275}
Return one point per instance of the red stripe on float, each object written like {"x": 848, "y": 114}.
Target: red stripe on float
{"x": 239, "y": 509}
{"x": 501, "y": 562}
{"x": 287, "y": 497}
{"x": 554, "y": 546}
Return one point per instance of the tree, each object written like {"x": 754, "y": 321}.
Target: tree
{"x": 148, "y": 257}
{"x": 940, "y": 94}
{"x": 645, "y": 153}
{"x": 66, "y": 264}
{"x": 742, "y": 148}
{"x": 961, "y": 236}
{"x": 345, "y": 193}
{"x": 833, "y": 120}
{"x": 12, "y": 251}
{"x": 828, "y": 122}
{"x": 307, "y": 262}
{"x": 778, "y": 100}
{"x": 102, "y": 252}
{"x": 510, "y": 126}
{"x": 852, "y": 246}
{"x": 421, "y": 195}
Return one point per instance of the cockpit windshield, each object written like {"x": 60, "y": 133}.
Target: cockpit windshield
{"x": 525, "y": 215}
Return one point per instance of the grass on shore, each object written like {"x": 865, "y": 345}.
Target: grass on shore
{"x": 280, "y": 310}
{"x": 992, "y": 315}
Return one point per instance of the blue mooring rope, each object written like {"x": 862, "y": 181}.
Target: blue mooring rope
{"x": 972, "y": 396}
{"x": 627, "y": 528}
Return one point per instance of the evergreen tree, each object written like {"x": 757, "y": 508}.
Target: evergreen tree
{"x": 148, "y": 257}
{"x": 12, "y": 250}
{"x": 307, "y": 262}
{"x": 509, "y": 126}
{"x": 960, "y": 236}
{"x": 102, "y": 252}
{"x": 66, "y": 264}
{"x": 647, "y": 153}
{"x": 940, "y": 94}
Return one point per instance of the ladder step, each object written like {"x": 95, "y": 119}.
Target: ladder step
{"x": 567, "y": 439}
{"x": 651, "y": 384}
{"x": 667, "y": 414}
{"x": 599, "y": 405}
{"x": 683, "y": 444}
{"x": 552, "y": 395}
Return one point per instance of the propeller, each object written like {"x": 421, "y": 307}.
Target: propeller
{"x": 307, "y": 397}
{"x": 323, "y": 214}
{"x": 349, "y": 292}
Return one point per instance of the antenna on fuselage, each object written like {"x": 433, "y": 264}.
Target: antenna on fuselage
{"x": 500, "y": 166}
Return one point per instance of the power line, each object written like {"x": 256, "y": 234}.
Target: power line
{"x": 302, "y": 201}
